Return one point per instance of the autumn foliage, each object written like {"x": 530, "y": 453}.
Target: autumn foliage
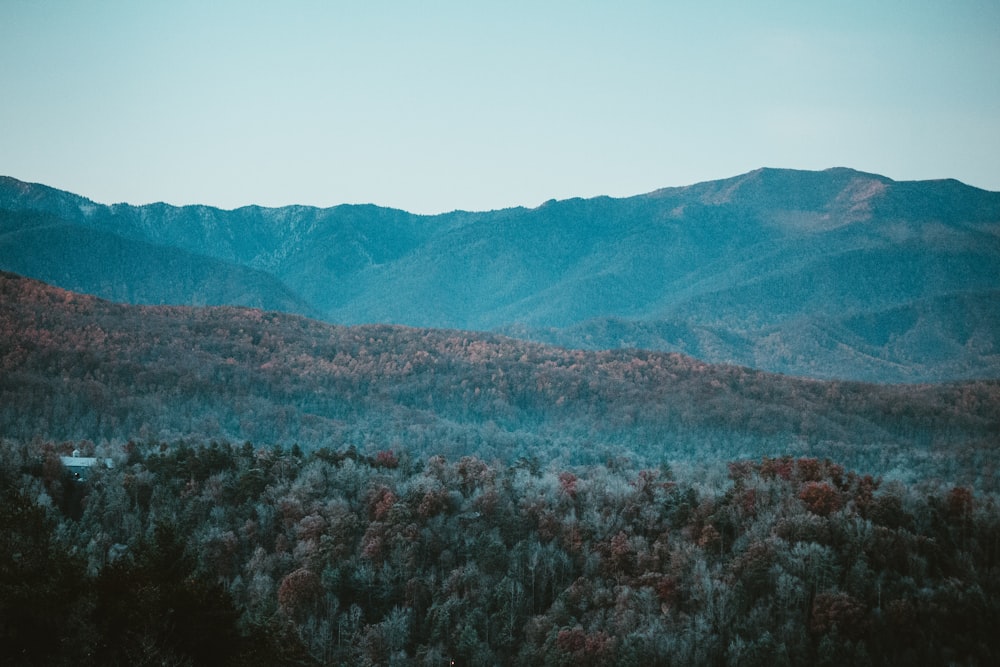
{"x": 73, "y": 367}
{"x": 333, "y": 557}
{"x": 399, "y": 496}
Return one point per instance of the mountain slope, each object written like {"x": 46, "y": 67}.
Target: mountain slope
{"x": 114, "y": 267}
{"x": 770, "y": 268}
{"x": 76, "y": 367}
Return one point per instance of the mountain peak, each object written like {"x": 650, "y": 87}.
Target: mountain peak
{"x": 785, "y": 189}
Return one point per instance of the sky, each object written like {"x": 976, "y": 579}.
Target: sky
{"x": 436, "y": 106}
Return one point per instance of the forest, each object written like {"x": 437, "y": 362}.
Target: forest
{"x": 73, "y": 367}
{"x": 272, "y": 490}
{"x": 217, "y": 553}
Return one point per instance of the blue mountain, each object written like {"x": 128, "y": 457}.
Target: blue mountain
{"x": 831, "y": 274}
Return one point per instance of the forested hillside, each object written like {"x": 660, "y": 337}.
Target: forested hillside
{"x": 274, "y": 490}
{"x": 95, "y": 261}
{"x": 257, "y": 555}
{"x": 76, "y": 367}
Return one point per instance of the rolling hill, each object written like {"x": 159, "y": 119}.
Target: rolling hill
{"x": 76, "y": 367}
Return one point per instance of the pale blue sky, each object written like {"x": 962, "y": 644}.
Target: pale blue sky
{"x": 433, "y": 106}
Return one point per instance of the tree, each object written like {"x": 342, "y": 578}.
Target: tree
{"x": 44, "y": 600}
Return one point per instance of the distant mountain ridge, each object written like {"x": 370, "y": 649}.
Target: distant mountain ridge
{"x": 830, "y": 274}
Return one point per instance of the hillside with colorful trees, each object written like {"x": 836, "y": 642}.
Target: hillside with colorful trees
{"x": 241, "y": 554}
{"x": 280, "y": 491}
{"x": 73, "y": 367}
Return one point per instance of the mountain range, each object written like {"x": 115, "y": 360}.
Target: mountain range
{"x": 830, "y": 274}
